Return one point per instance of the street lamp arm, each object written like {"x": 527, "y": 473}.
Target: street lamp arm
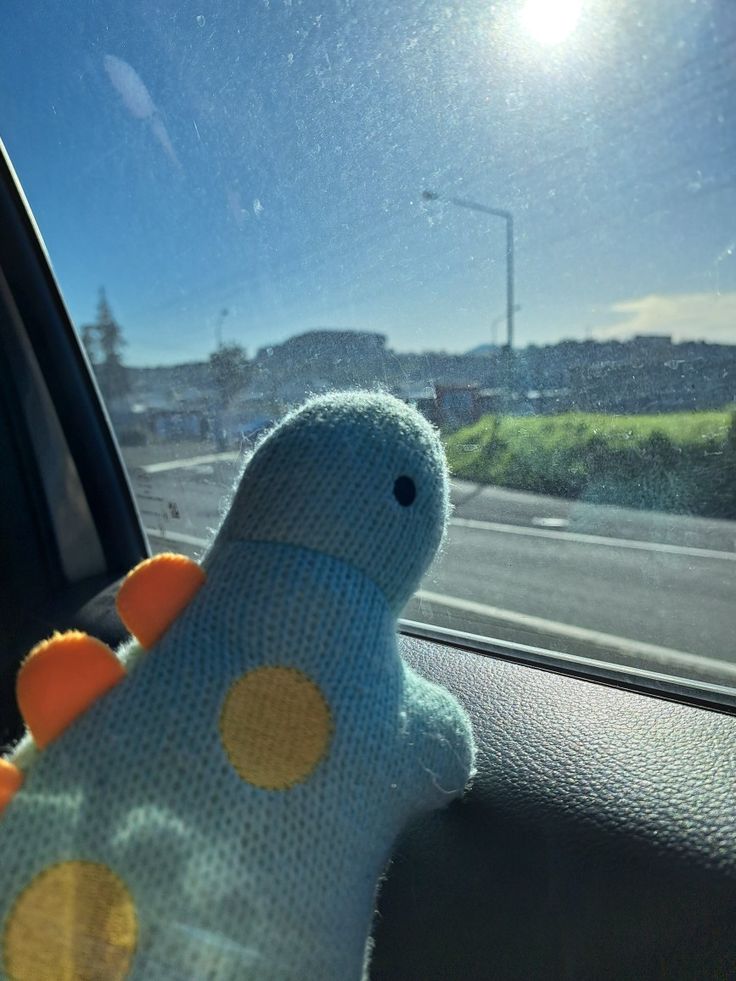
{"x": 428, "y": 195}
{"x": 474, "y": 206}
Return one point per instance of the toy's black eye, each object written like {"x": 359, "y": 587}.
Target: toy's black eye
{"x": 405, "y": 491}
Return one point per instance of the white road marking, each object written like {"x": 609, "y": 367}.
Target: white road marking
{"x": 585, "y": 539}
{"x": 496, "y": 526}
{"x": 550, "y": 522}
{"x": 625, "y": 645}
{"x": 186, "y": 463}
{"x": 176, "y": 536}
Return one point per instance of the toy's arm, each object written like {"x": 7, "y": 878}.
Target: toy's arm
{"x": 442, "y": 755}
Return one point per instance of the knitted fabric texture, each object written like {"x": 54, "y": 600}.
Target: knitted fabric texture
{"x": 226, "y": 811}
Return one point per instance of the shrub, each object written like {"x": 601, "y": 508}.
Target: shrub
{"x": 681, "y": 462}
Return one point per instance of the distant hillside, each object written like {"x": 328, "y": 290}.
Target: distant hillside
{"x": 642, "y": 375}
{"x": 483, "y": 349}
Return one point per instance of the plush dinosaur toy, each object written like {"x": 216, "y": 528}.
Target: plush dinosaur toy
{"x": 219, "y": 798}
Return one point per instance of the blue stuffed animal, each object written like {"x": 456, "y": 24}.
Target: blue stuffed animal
{"x": 218, "y": 799}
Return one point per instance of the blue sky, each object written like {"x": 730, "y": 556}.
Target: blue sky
{"x": 268, "y": 158}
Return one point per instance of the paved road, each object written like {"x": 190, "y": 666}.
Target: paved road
{"x": 639, "y": 587}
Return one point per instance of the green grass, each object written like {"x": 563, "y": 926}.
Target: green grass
{"x": 682, "y": 462}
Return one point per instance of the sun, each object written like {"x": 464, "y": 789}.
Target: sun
{"x": 550, "y": 21}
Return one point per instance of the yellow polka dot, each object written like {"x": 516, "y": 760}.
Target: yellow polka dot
{"x": 76, "y": 921}
{"x": 275, "y": 726}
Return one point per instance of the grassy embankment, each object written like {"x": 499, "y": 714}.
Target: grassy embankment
{"x": 681, "y": 462}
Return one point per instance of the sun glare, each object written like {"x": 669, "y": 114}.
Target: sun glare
{"x": 550, "y": 21}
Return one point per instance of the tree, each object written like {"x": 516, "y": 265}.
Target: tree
{"x": 230, "y": 370}
{"x": 103, "y": 340}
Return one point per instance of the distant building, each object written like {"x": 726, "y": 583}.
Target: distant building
{"x": 451, "y": 406}
{"x": 491, "y": 400}
{"x": 320, "y": 360}
{"x": 652, "y": 340}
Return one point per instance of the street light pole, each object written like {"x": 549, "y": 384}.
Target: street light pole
{"x": 509, "y": 219}
{"x": 499, "y": 319}
{"x": 218, "y": 327}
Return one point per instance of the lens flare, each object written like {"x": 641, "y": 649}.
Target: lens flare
{"x": 550, "y": 21}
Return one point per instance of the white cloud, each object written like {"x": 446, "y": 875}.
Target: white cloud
{"x": 684, "y": 316}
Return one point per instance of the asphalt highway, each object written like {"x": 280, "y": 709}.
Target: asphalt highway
{"x": 642, "y": 588}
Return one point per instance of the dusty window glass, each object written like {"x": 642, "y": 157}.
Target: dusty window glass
{"x": 518, "y": 216}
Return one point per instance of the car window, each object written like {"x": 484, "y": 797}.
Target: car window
{"x": 517, "y": 216}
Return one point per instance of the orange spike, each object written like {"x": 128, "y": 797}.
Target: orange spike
{"x": 153, "y": 595}
{"x": 60, "y": 679}
{"x": 11, "y": 779}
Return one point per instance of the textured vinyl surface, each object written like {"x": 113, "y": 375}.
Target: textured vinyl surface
{"x": 598, "y": 840}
